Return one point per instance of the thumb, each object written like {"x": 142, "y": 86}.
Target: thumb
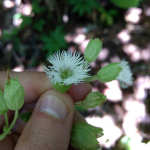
{"x": 50, "y": 125}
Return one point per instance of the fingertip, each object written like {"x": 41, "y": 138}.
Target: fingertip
{"x": 79, "y": 92}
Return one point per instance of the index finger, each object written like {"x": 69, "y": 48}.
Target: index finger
{"x": 37, "y": 83}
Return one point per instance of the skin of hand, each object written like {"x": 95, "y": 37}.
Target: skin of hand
{"x": 50, "y": 124}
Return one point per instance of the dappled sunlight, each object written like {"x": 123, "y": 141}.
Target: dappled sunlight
{"x": 26, "y": 9}
{"x": 17, "y": 22}
{"x": 83, "y": 45}
{"x": 142, "y": 84}
{"x": 93, "y": 64}
{"x": 145, "y": 53}
{"x": 111, "y": 132}
{"x": 113, "y": 91}
{"x": 115, "y": 59}
{"x": 147, "y": 11}
{"x": 41, "y": 67}
{"x": 124, "y": 36}
{"x": 133, "y": 15}
{"x": 79, "y": 38}
{"x": 18, "y": 68}
{"x": 134, "y": 115}
{"x": 8, "y": 3}
{"x": 130, "y": 48}
{"x": 65, "y": 18}
{"x": 103, "y": 54}
{"x": 136, "y": 56}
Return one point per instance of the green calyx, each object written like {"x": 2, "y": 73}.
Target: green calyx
{"x": 14, "y": 94}
{"x": 109, "y": 72}
{"x": 65, "y": 73}
{"x": 92, "y": 100}
{"x": 84, "y": 136}
{"x": 61, "y": 88}
{"x": 3, "y": 106}
{"x": 92, "y": 50}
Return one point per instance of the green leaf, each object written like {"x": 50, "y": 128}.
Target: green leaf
{"x": 126, "y": 3}
{"x": 25, "y": 116}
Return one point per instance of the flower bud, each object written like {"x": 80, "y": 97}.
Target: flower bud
{"x": 84, "y": 136}
{"x": 109, "y": 72}
{"x": 3, "y": 106}
{"x": 92, "y": 100}
{"x": 14, "y": 94}
{"x": 92, "y": 50}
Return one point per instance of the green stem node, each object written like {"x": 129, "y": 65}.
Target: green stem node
{"x": 7, "y": 131}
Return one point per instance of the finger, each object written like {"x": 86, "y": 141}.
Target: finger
{"x": 20, "y": 125}
{"x": 78, "y": 117}
{"x": 80, "y": 91}
{"x": 9, "y": 142}
{"x": 50, "y": 124}
{"x": 36, "y": 83}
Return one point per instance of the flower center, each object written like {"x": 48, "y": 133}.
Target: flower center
{"x": 65, "y": 73}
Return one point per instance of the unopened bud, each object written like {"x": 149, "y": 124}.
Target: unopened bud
{"x": 84, "y": 136}
{"x": 92, "y": 50}
{"x": 92, "y": 100}
{"x": 14, "y": 94}
{"x": 109, "y": 72}
{"x": 3, "y": 106}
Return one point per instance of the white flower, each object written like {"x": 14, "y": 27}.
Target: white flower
{"x": 125, "y": 76}
{"x": 67, "y": 68}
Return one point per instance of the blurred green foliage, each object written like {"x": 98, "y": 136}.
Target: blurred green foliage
{"x": 126, "y": 3}
{"x": 107, "y": 16}
{"x": 47, "y": 28}
{"x": 83, "y": 6}
{"x": 54, "y": 40}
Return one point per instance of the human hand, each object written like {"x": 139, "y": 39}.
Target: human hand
{"x": 47, "y": 128}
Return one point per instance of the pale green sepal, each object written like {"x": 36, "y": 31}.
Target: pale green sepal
{"x": 3, "y": 106}
{"x": 92, "y": 100}
{"x": 14, "y": 94}
{"x": 92, "y": 50}
{"x": 61, "y": 88}
{"x": 83, "y": 136}
{"x": 109, "y": 72}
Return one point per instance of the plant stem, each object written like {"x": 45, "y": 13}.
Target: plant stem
{"x": 2, "y": 136}
{"x": 6, "y": 119}
{"x": 77, "y": 103}
{"x": 92, "y": 78}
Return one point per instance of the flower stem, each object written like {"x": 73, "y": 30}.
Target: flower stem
{"x": 6, "y": 119}
{"x": 2, "y": 136}
{"x": 92, "y": 78}
{"x": 77, "y": 103}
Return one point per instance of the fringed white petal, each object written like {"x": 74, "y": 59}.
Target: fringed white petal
{"x": 125, "y": 76}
